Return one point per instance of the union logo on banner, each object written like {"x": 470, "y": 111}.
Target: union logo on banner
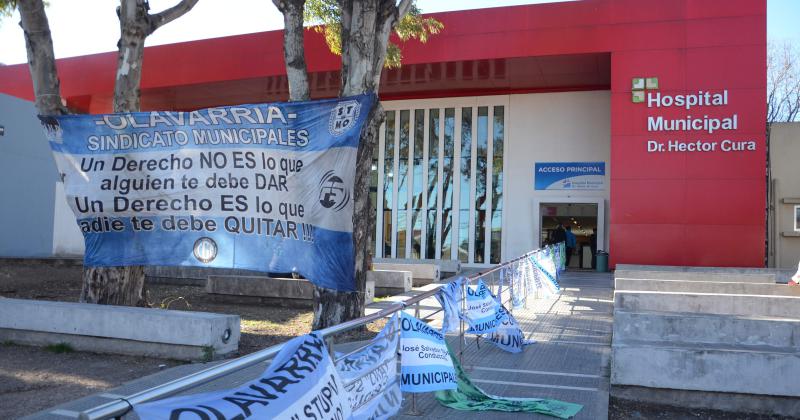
{"x": 343, "y": 116}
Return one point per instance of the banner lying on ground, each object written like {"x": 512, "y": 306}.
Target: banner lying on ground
{"x": 426, "y": 364}
{"x": 471, "y": 398}
{"x": 301, "y": 382}
{"x": 370, "y": 376}
{"x": 264, "y": 187}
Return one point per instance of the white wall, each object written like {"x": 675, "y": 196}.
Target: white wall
{"x": 784, "y": 148}
{"x": 551, "y": 127}
{"x": 67, "y": 237}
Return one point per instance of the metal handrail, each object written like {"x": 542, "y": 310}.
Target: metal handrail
{"x": 121, "y": 406}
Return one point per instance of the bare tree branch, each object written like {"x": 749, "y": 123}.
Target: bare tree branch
{"x": 160, "y": 19}
{"x": 403, "y": 8}
{"x": 783, "y": 82}
{"x": 293, "y": 51}
{"x": 136, "y": 24}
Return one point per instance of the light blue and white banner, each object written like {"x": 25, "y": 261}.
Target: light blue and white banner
{"x": 264, "y": 187}
{"x": 300, "y": 383}
{"x": 487, "y": 315}
{"x": 569, "y": 175}
{"x": 450, "y": 297}
{"x": 483, "y": 313}
{"x": 546, "y": 270}
{"x": 425, "y": 361}
{"x": 370, "y": 376}
{"x": 517, "y": 285}
{"x": 508, "y": 336}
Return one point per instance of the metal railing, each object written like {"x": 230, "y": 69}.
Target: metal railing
{"x": 121, "y": 406}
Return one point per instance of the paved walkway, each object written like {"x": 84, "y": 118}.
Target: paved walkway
{"x": 569, "y": 362}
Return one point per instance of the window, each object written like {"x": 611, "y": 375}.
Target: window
{"x": 797, "y": 218}
{"x": 388, "y": 185}
{"x": 442, "y": 180}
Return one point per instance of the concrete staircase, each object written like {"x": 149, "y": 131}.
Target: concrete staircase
{"x": 735, "y": 343}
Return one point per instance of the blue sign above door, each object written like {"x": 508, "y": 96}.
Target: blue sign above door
{"x": 569, "y": 175}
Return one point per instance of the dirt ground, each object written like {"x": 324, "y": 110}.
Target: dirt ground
{"x": 32, "y": 379}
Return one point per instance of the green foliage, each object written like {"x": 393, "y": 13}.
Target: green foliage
{"x": 59, "y": 348}
{"x": 208, "y": 353}
{"x": 7, "y": 7}
{"x": 326, "y": 18}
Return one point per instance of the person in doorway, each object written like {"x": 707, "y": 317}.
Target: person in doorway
{"x": 570, "y": 244}
{"x": 593, "y": 245}
{"x": 558, "y": 235}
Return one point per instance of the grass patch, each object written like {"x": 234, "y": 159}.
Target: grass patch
{"x": 59, "y": 348}
{"x": 208, "y": 353}
{"x": 260, "y": 325}
{"x": 7, "y": 343}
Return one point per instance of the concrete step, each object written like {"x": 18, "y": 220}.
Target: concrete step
{"x": 279, "y": 290}
{"x": 261, "y": 286}
{"x": 679, "y": 268}
{"x": 390, "y": 283}
{"x": 182, "y": 335}
{"x": 628, "y": 284}
{"x": 445, "y": 266}
{"x": 708, "y": 303}
{"x": 421, "y": 273}
{"x": 724, "y": 277}
{"x": 706, "y": 369}
{"x": 715, "y": 330}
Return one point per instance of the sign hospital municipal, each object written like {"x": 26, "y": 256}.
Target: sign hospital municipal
{"x": 645, "y": 90}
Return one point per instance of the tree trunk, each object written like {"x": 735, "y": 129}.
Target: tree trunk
{"x": 136, "y": 24}
{"x": 126, "y": 285}
{"x": 293, "y": 50}
{"x": 41, "y": 59}
{"x": 365, "y": 29}
{"x": 123, "y": 285}
{"x": 134, "y": 27}
{"x": 114, "y": 286}
{"x": 366, "y": 26}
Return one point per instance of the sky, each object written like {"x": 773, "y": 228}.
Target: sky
{"x": 93, "y": 27}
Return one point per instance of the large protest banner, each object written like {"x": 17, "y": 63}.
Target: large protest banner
{"x": 300, "y": 383}
{"x": 264, "y": 187}
{"x": 370, "y": 375}
{"x": 425, "y": 359}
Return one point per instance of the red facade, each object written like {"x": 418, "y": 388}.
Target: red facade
{"x": 690, "y": 208}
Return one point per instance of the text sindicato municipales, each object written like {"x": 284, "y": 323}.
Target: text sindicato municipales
{"x": 198, "y": 128}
